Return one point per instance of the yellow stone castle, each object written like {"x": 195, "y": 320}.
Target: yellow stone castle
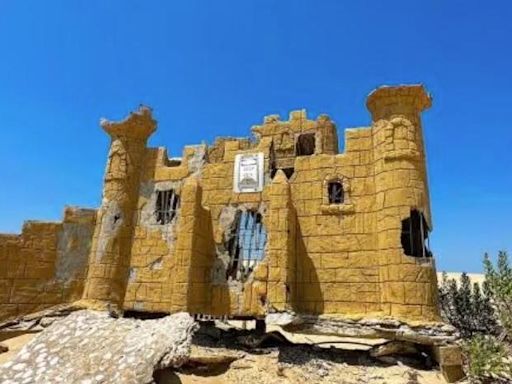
{"x": 246, "y": 227}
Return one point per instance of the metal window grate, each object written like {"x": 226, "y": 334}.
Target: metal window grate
{"x": 167, "y": 204}
{"x": 246, "y": 246}
{"x": 335, "y": 192}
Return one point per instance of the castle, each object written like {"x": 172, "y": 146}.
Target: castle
{"x": 246, "y": 227}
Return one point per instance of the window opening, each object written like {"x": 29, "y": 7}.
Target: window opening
{"x": 414, "y": 236}
{"x": 246, "y": 245}
{"x": 287, "y": 171}
{"x": 335, "y": 192}
{"x": 167, "y": 203}
{"x": 305, "y": 145}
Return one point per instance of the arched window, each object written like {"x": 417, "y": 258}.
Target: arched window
{"x": 335, "y": 192}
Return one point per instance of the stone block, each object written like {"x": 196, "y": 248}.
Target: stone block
{"x": 449, "y": 358}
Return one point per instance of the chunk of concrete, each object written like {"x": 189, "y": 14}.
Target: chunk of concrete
{"x": 449, "y": 358}
{"x": 89, "y": 346}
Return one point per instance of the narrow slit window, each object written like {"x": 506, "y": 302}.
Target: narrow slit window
{"x": 335, "y": 192}
{"x": 414, "y": 235}
{"x": 305, "y": 145}
{"x": 246, "y": 245}
{"x": 167, "y": 204}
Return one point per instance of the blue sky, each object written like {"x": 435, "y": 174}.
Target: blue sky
{"x": 213, "y": 68}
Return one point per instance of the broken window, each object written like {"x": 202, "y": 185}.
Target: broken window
{"x": 167, "y": 203}
{"x": 335, "y": 192}
{"x": 305, "y": 145}
{"x": 414, "y": 236}
{"x": 246, "y": 245}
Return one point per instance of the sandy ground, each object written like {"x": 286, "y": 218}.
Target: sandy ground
{"x": 269, "y": 370}
{"x": 284, "y": 365}
{"x": 15, "y": 344}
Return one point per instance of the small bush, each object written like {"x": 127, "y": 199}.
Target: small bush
{"x": 499, "y": 286}
{"x": 487, "y": 360}
{"x": 469, "y": 309}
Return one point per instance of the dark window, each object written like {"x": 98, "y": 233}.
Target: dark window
{"x": 414, "y": 236}
{"x": 246, "y": 245}
{"x": 167, "y": 203}
{"x": 287, "y": 171}
{"x": 335, "y": 191}
{"x": 305, "y": 145}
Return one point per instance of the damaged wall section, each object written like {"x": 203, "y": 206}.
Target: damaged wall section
{"x": 46, "y": 264}
{"x": 158, "y": 214}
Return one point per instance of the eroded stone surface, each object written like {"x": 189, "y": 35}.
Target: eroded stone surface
{"x": 91, "y": 347}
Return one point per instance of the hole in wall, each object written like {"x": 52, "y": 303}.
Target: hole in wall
{"x": 246, "y": 244}
{"x": 414, "y": 235}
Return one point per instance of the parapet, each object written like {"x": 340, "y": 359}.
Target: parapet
{"x": 386, "y": 101}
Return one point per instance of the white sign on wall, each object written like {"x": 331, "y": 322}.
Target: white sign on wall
{"x": 248, "y": 174}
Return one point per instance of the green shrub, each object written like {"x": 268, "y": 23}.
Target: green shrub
{"x": 499, "y": 286}
{"x": 487, "y": 360}
{"x": 467, "y": 308}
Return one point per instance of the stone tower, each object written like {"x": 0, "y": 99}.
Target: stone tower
{"x": 109, "y": 260}
{"x": 408, "y": 284}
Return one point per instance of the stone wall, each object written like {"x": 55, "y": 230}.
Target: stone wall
{"x": 46, "y": 264}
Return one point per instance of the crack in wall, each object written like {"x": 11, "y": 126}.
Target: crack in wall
{"x": 111, "y": 222}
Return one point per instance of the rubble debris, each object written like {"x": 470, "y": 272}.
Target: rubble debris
{"x": 394, "y": 348}
{"x": 91, "y": 347}
{"x": 37, "y": 321}
{"x": 429, "y": 334}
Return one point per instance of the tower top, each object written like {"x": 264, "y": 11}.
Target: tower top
{"x": 138, "y": 125}
{"x": 400, "y": 99}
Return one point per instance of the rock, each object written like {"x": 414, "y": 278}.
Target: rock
{"x": 394, "y": 348}
{"x": 36, "y": 321}
{"x": 387, "y": 360}
{"x": 281, "y": 318}
{"x": 3, "y": 348}
{"x": 207, "y": 356}
{"x": 92, "y": 347}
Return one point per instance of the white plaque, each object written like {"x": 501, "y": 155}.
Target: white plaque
{"x": 248, "y": 174}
